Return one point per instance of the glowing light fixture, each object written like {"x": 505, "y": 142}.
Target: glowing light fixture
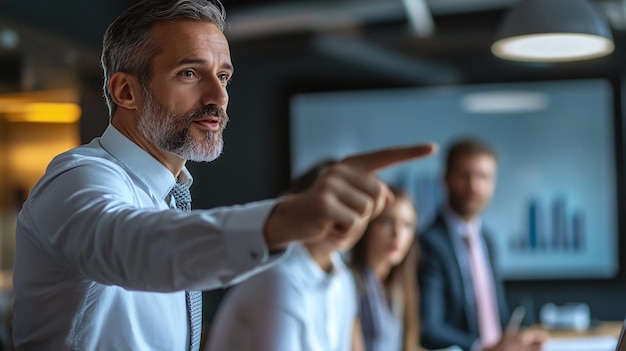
{"x": 553, "y": 31}
{"x": 52, "y": 106}
{"x": 43, "y": 112}
{"x": 505, "y": 102}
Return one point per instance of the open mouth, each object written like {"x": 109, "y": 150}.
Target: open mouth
{"x": 209, "y": 123}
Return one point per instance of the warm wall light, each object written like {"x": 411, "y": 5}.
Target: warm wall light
{"x": 553, "y": 31}
{"x": 53, "y": 106}
{"x": 43, "y": 112}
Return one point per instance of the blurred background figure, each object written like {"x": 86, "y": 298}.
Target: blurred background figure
{"x": 383, "y": 262}
{"x": 306, "y": 302}
{"x": 463, "y": 301}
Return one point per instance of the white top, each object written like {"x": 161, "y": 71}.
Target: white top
{"x": 102, "y": 261}
{"x": 294, "y": 306}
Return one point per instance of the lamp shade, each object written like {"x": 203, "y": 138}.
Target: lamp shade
{"x": 553, "y": 31}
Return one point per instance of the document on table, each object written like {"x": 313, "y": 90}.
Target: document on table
{"x": 588, "y": 343}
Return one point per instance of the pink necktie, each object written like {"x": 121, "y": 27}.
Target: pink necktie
{"x": 486, "y": 307}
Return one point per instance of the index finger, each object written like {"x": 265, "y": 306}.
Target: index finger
{"x": 376, "y": 160}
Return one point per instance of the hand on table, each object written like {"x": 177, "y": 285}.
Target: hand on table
{"x": 524, "y": 340}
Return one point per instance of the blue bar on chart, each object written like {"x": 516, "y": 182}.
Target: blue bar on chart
{"x": 553, "y": 230}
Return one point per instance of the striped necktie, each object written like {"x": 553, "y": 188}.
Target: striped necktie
{"x": 182, "y": 197}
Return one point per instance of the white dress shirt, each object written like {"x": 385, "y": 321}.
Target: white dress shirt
{"x": 102, "y": 261}
{"x": 294, "y": 306}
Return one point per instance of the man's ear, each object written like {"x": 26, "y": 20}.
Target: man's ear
{"x": 125, "y": 90}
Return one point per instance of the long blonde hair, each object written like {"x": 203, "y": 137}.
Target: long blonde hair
{"x": 400, "y": 285}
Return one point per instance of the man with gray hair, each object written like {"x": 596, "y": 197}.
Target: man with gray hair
{"x": 109, "y": 255}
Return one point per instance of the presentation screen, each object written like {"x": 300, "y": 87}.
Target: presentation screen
{"x": 553, "y": 214}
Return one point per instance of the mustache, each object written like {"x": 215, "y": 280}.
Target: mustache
{"x": 209, "y": 110}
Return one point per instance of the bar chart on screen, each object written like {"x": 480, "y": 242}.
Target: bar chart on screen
{"x": 553, "y": 214}
{"x": 555, "y": 227}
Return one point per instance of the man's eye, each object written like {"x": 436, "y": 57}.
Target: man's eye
{"x": 188, "y": 73}
{"x": 224, "y": 78}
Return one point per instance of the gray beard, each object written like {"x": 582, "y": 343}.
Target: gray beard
{"x": 170, "y": 132}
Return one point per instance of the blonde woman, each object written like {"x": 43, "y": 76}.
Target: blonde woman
{"x": 383, "y": 262}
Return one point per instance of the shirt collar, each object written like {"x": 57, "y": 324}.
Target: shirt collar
{"x": 314, "y": 275}
{"x": 457, "y": 224}
{"x": 141, "y": 164}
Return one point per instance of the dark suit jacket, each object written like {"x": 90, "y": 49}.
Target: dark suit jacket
{"x": 448, "y": 308}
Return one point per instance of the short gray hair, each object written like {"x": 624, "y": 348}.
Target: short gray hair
{"x": 127, "y": 46}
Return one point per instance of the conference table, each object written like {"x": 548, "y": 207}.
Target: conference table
{"x": 602, "y": 337}
{"x": 606, "y": 328}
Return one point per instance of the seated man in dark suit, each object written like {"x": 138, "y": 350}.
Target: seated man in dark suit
{"x": 462, "y": 297}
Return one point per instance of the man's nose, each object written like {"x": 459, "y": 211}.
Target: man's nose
{"x": 214, "y": 92}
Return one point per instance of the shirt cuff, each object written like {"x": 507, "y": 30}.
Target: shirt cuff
{"x": 244, "y": 240}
